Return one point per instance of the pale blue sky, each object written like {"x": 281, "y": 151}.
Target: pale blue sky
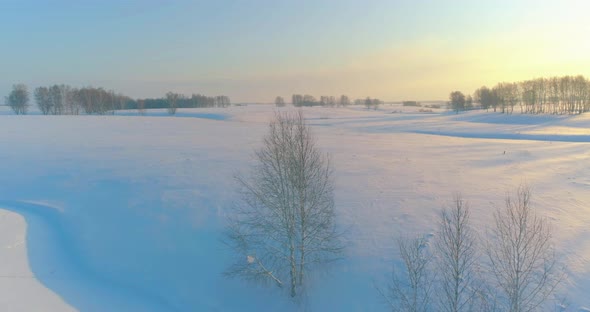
{"x": 255, "y": 50}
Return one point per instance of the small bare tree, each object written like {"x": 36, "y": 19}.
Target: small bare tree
{"x": 172, "y": 100}
{"x": 456, "y": 250}
{"x": 284, "y": 223}
{"x": 410, "y": 291}
{"x": 521, "y": 256}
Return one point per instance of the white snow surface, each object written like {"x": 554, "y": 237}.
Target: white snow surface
{"x": 126, "y": 212}
{"x": 20, "y": 289}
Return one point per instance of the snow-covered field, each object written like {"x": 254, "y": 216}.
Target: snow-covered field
{"x": 126, "y": 212}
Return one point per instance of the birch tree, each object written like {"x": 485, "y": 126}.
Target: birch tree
{"x": 411, "y": 288}
{"x": 456, "y": 249}
{"x": 283, "y": 225}
{"x": 521, "y": 256}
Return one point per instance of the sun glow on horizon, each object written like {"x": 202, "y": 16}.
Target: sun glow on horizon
{"x": 392, "y": 50}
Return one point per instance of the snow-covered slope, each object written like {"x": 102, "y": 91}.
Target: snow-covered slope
{"x": 126, "y": 212}
{"x": 20, "y": 289}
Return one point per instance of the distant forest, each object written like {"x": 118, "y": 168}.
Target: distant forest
{"x": 67, "y": 100}
{"x": 555, "y": 95}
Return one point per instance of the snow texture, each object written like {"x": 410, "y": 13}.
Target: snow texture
{"x": 126, "y": 212}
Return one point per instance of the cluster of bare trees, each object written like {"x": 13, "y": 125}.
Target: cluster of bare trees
{"x": 369, "y": 103}
{"x": 94, "y": 100}
{"x": 555, "y": 95}
{"x": 515, "y": 269}
{"x": 299, "y": 100}
{"x": 284, "y": 225}
{"x": 173, "y": 101}
{"x": 64, "y": 99}
{"x": 459, "y": 102}
{"x": 198, "y": 100}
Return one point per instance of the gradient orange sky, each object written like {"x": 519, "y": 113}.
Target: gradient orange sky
{"x": 256, "y": 50}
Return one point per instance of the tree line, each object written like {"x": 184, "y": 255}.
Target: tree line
{"x": 299, "y": 100}
{"x": 67, "y": 100}
{"x": 554, "y": 95}
{"x": 177, "y": 100}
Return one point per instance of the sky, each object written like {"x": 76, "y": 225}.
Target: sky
{"x": 256, "y": 50}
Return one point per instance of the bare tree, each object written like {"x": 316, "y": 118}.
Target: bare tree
{"x": 521, "y": 256}
{"x": 297, "y": 100}
{"x": 410, "y": 291}
{"x": 344, "y": 100}
{"x": 284, "y": 224}
{"x": 457, "y": 259}
{"x": 18, "y": 99}
{"x": 226, "y": 101}
{"x": 57, "y": 97}
{"x": 368, "y": 102}
{"x": 220, "y": 100}
{"x": 172, "y": 100}
{"x": 43, "y": 99}
{"x": 141, "y": 107}
{"x": 457, "y": 99}
{"x": 279, "y": 101}
{"x": 331, "y": 101}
